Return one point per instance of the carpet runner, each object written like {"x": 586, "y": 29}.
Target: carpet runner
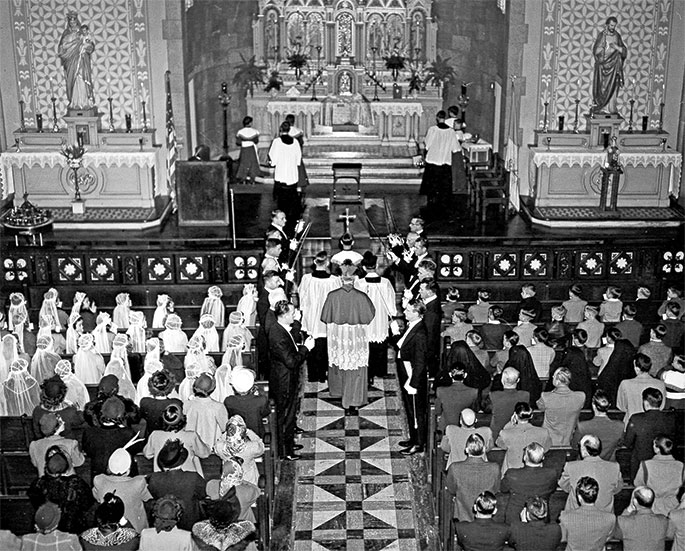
{"x": 353, "y": 489}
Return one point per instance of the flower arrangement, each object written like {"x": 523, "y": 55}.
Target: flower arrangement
{"x": 416, "y": 81}
{"x": 275, "y": 81}
{"x": 395, "y": 63}
{"x": 297, "y": 60}
{"x": 74, "y": 154}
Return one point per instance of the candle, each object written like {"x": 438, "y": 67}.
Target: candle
{"x": 21, "y": 93}
{"x": 52, "y": 89}
{"x": 142, "y": 92}
{"x": 109, "y": 87}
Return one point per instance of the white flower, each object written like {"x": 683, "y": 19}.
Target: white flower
{"x": 535, "y": 264}
{"x": 101, "y": 269}
{"x": 621, "y": 263}
{"x": 591, "y": 263}
{"x": 191, "y": 268}
{"x": 504, "y": 265}
{"x": 70, "y": 269}
{"x": 159, "y": 269}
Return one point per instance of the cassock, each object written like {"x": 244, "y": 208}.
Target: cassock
{"x": 382, "y": 294}
{"x": 314, "y": 288}
{"x": 346, "y": 313}
{"x": 286, "y": 156}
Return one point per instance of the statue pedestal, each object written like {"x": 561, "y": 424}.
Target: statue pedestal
{"x": 600, "y": 125}
{"x": 84, "y": 126}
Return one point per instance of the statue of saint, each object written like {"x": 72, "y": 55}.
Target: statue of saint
{"x": 610, "y": 53}
{"x": 74, "y": 50}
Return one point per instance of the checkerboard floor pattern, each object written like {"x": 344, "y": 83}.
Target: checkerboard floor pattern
{"x": 353, "y": 490}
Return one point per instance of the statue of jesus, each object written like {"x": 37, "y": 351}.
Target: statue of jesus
{"x": 610, "y": 53}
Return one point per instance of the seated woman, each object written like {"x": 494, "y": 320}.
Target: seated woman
{"x": 239, "y": 441}
{"x": 223, "y": 531}
{"x": 166, "y": 512}
{"x": 113, "y": 531}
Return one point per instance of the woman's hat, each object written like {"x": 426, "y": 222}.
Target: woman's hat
{"x": 173, "y": 321}
{"x": 54, "y": 388}
{"x": 119, "y": 462}
{"x": 161, "y": 383}
{"x": 172, "y": 454}
{"x": 108, "y": 385}
{"x": 242, "y": 379}
{"x": 113, "y": 409}
{"x": 47, "y": 517}
{"x": 172, "y": 416}
{"x": 204, "y": 385}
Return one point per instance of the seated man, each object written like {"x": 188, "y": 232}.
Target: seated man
{"x": 609, "y": 431}
{"x": 534, "y": 531}
{"x": 606, "y": 473}
{"x": 483, "y": 534}
{"x": 629, "y": 397}
{"x": 586, "y": 528}
{"x": 468, "y": 478}
{"x": 562, "y": 407}
{"x": 504, "y": 401}
{"x": 456, "y": 436}
{"x": 533, "y": 479}
{"x": 518, "y": 433}
{"x": 640, "y": 528}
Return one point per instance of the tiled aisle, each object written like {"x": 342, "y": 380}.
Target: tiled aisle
{"x": 353, "y": 490}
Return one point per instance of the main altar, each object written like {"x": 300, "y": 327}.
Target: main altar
{"x": 354, "y": 67}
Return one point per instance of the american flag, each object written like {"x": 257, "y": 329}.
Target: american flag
{"x": 171, "y": 144}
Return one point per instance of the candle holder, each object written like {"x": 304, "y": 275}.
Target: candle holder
{"x": 576, "y": 122}
{"x": 127, "y": 118}
{"x": 111, "y": 115}
{"x": 463, "y": 101}
{"x": 545, "y": 125}
{"x": 548, "y": 139}
{"x": 55, "y": 126}
{"x": 561, "y": 123}
{"x": 145, "y": 125}
{"x": 39, "y": 122}
{"x": 645, "y": 123}
{"x": 225, "y": 100}
{"x": 22, "y": 123}
{"x": 630, "y": 119}
{"x": 375, "y": 80}
{"x": 661, "y": 117}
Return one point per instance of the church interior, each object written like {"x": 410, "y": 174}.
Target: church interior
{"x": 139, "y": 157}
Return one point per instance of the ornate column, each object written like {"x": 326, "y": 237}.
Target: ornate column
{"x": 330, "y": 41}
{"x": 283, "y": 37}
{"x": 258, "y": 37}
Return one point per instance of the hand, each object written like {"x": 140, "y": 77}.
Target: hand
{"x": 293, "y": 244}
{"x": 407, "y": 255}
{"x": 393, "y": 257}
{"x": 290, "y": 275}
{"x": 309, "y": 342}
{"x": 410, "y": 389}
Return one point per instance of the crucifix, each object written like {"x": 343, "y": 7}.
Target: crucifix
{"x": 347, "y": 218}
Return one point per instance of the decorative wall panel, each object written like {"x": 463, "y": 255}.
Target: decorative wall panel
{"x": 570, "y": 28}
{"x": 120, "y": 62}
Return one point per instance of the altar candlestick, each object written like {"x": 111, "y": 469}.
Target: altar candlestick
{"x": 111, "y": 115}
{"x": 127, "y": 117}
{"x": 52, "y": 89}
{"x": 645, "y": 123}
{"x": 545, "y": 126}
{"x": 661, "y": 117}
{"x": 109, "y": 87}
{"x": 561, "y": 123}
{"x": 22, "y": 124}
{"x": 630, "y": 120}
{"x": 39, "y": 122}
{"x": 145, "y": 126}
{"x": 55, "y": 126}
{"x": 576, "y": 121}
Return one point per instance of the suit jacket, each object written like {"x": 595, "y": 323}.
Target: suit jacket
{"x": 189, "y": 487}
{"x": 451, "y": 400}
{"x": 514, "y": 438}
{"x": 285, "y": 243}
{"x": 642, "y": 531}
{"x": 433, "y": 319}
{"x": 640, "y": 432}
{"x": 414, "y": 350}
{"x": 562, "y": 408}
{"x": 609, "y": 431}
{"x": 586, "y": 528}
{"x": 524, "y": 483}
{"x": 606, "y": 473}
{"x": 482, "y": 535}
{"x": 251, "y": 407}
{"x": 286, "y": 360}
{"x": 467, "y": 479}
{"x": 492, "y": 334}
{"x": 536, "y": 534}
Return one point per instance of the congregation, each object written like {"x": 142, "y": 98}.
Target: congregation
{"x": 492, "y": 406}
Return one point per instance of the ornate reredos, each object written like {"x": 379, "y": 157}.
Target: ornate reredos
{"x": 335, "y": 29}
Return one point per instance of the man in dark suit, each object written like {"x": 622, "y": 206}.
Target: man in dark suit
{"x": 272, "y": 281}
{"x": 533, "y": 479}
{"x": 287, "y": 358}
{"x": 493, "y": 331}
{"x": 609, "y": 431}
{"x": 430, "y": 295}
{"x": 483, "y": 533}
{"x": 411, "y": 371}
{"x": 277, "y": 230}
{"x": 534, "y": 531}
{"x": 644, "y": 427}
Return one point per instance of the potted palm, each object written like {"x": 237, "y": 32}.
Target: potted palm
{"x": 249, "y": 73}
{"x": 297, "y": 61}
{"x": 441, "y": 73}
{"x": 394, "y": 62}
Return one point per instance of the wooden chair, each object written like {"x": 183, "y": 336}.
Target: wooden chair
{"x": 493, "y": 192}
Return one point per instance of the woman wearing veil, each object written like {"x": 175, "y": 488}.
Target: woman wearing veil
{"x": 126, "y": 389}
{"x": 77, "y": 393}
{"x": 213, "y": 305}
{"x": 122, "y": 310}
{"x": 8, "y": 354}
{"x": 136, "y": 332}
{"x": 44, "y": 360}
{"x": 150, "y": 367}
{"x": 74, "y": 331}
{"x": 197, "y": 354}
{"x": 618, "y": 368}
{"x": 21, "y": 390}
{"x": 236, "y": 326}
{"x": 476, "y": 375}
{"x": 103, "y": 333}
{"x": 89, "y": 365}
{"x": 521, "y": 360}
{"x": 162, "y": 311}
{"x": 175, "y": 340}
{"x": 207, "y": 330}
{"x": 49, "y": 309}
{"x": 17, "y": 306}
{"x": 120, "y": 352}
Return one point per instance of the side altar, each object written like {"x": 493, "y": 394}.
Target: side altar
{"x": 565, "y": 168}
{"x": 120, "y": 169}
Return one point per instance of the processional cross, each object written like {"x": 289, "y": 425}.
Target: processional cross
{"x": 347, "y": 218}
